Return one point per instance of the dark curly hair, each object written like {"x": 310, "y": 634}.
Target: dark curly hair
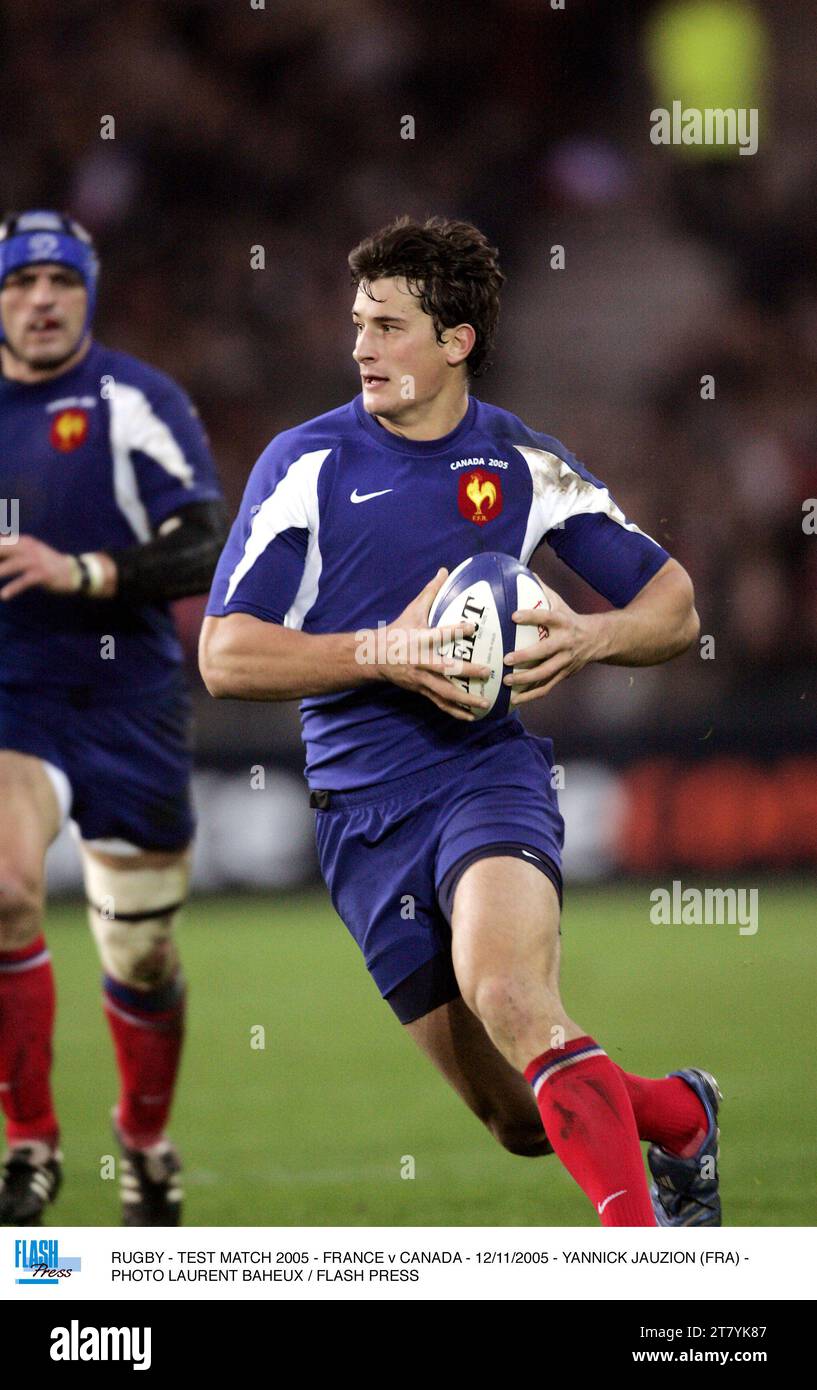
{"x": 450, "y": 267}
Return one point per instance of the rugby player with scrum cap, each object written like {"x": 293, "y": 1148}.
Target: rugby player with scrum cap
{"x": 111, "y": 508}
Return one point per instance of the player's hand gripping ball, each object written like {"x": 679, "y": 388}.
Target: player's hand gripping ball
{"x": 485, "y": 590}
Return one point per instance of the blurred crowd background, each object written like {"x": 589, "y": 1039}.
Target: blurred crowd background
{"x": 238, "y": 126}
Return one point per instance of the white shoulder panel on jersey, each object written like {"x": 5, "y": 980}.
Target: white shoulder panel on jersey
{"x": 135, "y": 426}
{"x": 293, "y": 502}
{"x": 560, "y": 492}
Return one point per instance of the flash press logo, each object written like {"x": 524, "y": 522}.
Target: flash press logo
{"x": 40, "y": 1262}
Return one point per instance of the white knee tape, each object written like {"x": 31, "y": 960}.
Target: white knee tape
{"x": 132, "y": 913}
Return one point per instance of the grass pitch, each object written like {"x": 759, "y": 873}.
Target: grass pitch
{"x": 313, "y": 1128}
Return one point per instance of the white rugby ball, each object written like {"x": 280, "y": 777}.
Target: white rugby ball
{"x": 485, "y": 590}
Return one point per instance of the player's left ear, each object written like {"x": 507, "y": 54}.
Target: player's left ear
{"x": 457, "y": 343}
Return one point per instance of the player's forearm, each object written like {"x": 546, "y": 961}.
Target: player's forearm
{"x": 659, "y": 623}
{"x": 178, "y": 561}
{"x": 244, "y": 658}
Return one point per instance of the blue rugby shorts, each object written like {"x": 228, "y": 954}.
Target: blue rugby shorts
{"x": 391, "y": 855}
{"x": 128, "y": 764}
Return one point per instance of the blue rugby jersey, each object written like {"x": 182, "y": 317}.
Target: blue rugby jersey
{"x": 96, "y": 459}
{"x": 342, "y": 523}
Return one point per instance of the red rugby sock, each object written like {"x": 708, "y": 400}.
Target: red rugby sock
{"x": 589, "y": 1121}
{"x": 27, "y": 1007}
{"x": 667, "y": 1112}
{"x": 148, "y": 1030}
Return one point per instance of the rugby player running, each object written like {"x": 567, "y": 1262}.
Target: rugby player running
{"x": 439, "y": 836}
{"x": 112, "y": 508}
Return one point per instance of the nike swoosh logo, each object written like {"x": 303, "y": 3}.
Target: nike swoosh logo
{"x": 613, "y": 1195}
{"x": 366, "y": 496}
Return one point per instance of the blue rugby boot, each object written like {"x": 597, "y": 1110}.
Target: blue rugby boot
{"x": 685, "y": 1191}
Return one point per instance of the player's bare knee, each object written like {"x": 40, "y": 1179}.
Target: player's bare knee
{"x": 500, "y": 1002}
{"x": 21, "y": 905}
{"x": 506, "y": 1003}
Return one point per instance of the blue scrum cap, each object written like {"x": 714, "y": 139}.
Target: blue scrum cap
{"x": 52, "y": 237}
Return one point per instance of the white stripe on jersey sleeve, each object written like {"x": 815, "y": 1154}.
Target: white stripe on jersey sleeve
{"x": 134, "y": 426}
{"x": 560, "y": 492}
{"x": 293, "y": 502}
